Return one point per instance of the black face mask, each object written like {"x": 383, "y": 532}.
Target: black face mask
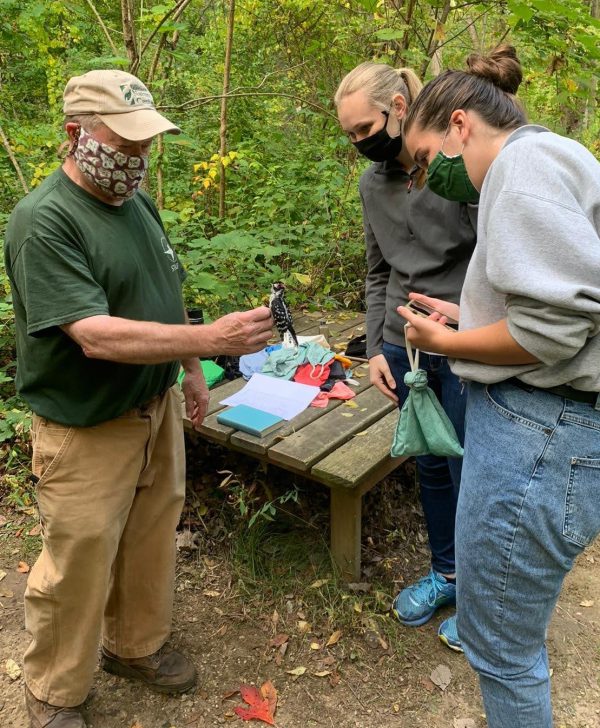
{"x": 380, "y": 147}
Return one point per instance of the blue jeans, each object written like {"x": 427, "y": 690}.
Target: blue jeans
{"x": 529, "y": 504}
{"x": 439, "y": 477}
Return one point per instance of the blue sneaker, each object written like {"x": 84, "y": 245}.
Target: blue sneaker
{"x": 448, "y": 633}
{"x": 416, "y": 604}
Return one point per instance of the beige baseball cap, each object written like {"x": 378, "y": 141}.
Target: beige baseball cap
{"x": 122, "y": 102}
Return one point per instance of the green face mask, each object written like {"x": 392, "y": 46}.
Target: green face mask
{"x": 448, "y": 178}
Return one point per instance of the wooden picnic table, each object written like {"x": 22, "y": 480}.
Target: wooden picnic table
{"x": 344, "y": 448}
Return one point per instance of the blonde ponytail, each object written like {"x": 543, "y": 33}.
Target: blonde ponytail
{"x": 380, "y": 83}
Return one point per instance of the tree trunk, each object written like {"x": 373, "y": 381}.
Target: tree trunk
{"x": 129, "y": 33}
{"x": 434, "y": 40}
{"x": 223, "y": 129}
{"x": 13, "y": 159}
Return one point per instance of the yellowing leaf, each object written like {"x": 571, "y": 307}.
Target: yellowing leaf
{"x": 323, "y": 673}
{"x": 303, "y": 278}
{"x": 587, "y": 603}
{"x": 335, "y": 638}
{"x": 571, "y": 85}
{"x": 347, "y": 414}
{"x": 297, "y": 671}
{"x": 12, "y": 669}
{"x": 315, "y": 646}
{"x": 319, "y": 583}
{"x": 351, "y": 403}
{"x": 303, "y": 627}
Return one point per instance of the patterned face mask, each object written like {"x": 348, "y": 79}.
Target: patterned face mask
{"x": 114, "y": 173}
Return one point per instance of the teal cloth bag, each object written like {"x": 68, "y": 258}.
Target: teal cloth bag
{"x": 423, "y": 427}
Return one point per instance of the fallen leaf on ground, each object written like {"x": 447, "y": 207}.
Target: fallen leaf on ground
{"x": 319, "y": 583}
{"x": 278, "y": 640}
{"x": 2, "y": 574}
{"x": 587, "y": 603}
{"x": 334, "y": 639}
{"x": 315, "y": 645}
{"x": 137, "y": 724}
{"x": 3, "y": 520}
{"x": 347, "y": 414}
{"x": 260, "y": 707}
{"x": 23, "y": 567}
{"x": 36, "y": 530}
{"x": 303, "y": 626}
{"x": 464, "y": 723}
{"x": 322, "y": 673}
{"x": 441, "y": 676}
{"x": 297, "y": 671}
{"x": 427, "y": 684}
{"x": 12, "y": 669}
{"x": 211, "y": 593}
{"x": 267, "y": 690}
{"x": 7, "y": 593}
{"x": 350, "y": 404}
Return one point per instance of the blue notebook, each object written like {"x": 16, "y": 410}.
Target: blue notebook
{"x": 250, "y": 420}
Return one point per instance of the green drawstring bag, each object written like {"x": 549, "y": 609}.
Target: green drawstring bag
{"x": 423, "y": 427}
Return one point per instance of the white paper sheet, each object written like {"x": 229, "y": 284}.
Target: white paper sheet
{"x": 277, "y": 396}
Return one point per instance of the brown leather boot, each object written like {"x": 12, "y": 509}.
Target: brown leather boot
{"x": 165, "y": 671}
{"x": 44, "y": 715}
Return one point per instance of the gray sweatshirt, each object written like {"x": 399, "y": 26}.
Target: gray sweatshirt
{"x": 537, "y": 261}
{"x": 416, "y": 241}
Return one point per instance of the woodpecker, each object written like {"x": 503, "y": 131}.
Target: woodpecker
{"x": 281, "y": 314}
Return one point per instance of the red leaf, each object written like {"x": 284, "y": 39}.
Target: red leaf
{"x": 262, "y": 703}
{"x": 268, "y": 692}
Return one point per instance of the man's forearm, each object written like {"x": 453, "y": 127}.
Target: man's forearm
{"x": 143, "y": 342}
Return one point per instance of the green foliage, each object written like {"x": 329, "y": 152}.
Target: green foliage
{"x": 292, "y": 209}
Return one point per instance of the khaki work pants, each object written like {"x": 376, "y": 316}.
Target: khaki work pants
{"x": 109, "y": 497}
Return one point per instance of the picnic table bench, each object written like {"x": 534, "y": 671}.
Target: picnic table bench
{"x": 344, "y": 448}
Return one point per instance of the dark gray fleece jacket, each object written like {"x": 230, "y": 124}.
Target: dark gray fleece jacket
{"x": 416, "y": 241}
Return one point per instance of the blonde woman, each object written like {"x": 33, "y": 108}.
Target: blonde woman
{"x": 416, "y": 241}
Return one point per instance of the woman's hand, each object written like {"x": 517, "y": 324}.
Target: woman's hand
{"x": 426, "y": 333}
{"x": 450, "y": 310}
{"x": 381, "y": 376}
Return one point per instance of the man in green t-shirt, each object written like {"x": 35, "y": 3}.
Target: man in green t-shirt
{"x": 101, "y": 333}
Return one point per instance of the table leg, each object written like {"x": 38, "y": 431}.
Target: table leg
{"x": 345, "y": 512}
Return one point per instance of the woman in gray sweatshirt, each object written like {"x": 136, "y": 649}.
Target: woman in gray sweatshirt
{"x": 529, "y": 346}
{"x": 419, "y": 241}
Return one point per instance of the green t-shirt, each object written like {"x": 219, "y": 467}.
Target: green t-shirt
{"x": 70, "y": 256}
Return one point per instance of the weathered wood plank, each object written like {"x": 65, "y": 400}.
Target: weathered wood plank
{"x": 313, "y": 442}
{"x": 358, "y": 459}
{"x": 260, "y": 445}
{"x": 221, "y": 392}
{"x": 345, "y": 515}
{"x": 213, "y": 430}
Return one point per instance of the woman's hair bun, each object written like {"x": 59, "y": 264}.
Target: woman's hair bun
{"x": 501, "y": 67}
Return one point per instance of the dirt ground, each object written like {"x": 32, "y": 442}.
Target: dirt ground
{"x": 365, "y": 679}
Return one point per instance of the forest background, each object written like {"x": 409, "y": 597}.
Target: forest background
{"x": 262, "y": 185}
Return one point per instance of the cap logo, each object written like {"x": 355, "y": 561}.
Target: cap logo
{"x": 136, "y": 94}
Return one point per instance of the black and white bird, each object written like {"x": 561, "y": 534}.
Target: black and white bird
{"x": 282, "y": 315}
